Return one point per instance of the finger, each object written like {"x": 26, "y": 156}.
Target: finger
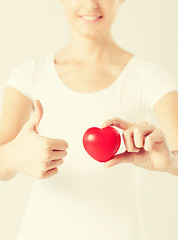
{"x": 140, "y": 132}
{"x": 54, "y": 163}
{"x": 138, "y": 138}
{"x": 129, "y": 140}
{"x": 120, "y": 158}
{"x": 50, "y": 173}
{"x": 57, "y": 154}
{"x": 157, "y": 136}
{"x": 57, "y": 144}
{"x": 118, "y": 122}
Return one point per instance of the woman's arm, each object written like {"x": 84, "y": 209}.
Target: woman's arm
{"x": 166, "y": 112}
{"x": 5, "y": 174}
{"x": 16, "y": 110}
{"x": 173, "y": 169}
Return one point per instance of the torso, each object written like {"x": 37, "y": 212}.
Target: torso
{"x": 90, "y": 77}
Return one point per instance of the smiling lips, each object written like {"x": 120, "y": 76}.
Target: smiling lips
{"x": 91, "y": 19}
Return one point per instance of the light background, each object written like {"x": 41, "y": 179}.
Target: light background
{"x": 148, "y": 28}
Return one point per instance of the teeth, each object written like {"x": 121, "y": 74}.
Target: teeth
{"x": 90, "y": 17}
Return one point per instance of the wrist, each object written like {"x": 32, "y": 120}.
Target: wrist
{"x": 173, "y": 167}
{"x": 6, "y": 161}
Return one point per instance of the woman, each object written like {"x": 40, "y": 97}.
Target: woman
{"x": 91, "y": 82}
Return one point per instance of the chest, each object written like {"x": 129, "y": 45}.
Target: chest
{"x": 90, "y": 78}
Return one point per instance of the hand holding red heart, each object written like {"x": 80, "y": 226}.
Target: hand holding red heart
{"x": 145, "y": 144}
{"x": 101, "y": 144}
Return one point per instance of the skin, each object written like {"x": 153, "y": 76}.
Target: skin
{"x": 91, "y": 42}
{"x": 93, "y": 45}
{"x": 146, "y": 146}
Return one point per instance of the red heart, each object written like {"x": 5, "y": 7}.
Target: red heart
{"x": 102, "y": 144}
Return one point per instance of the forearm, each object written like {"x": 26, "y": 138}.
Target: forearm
{"x": 173, "y": 168}
{"x": 5, "y": 173}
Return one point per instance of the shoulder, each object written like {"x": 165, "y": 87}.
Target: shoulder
{"x": 150, "y": 68}
{"x": 29, "y": 66}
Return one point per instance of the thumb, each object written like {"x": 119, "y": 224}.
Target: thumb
{"x": 118, "y": 122}
{"x": 125, "y": 157}
{"x": 34, "y": 121}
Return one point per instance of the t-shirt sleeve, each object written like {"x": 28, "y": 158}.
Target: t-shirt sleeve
{"x": 19, "y": 78}
{"x": 159, "y": 83}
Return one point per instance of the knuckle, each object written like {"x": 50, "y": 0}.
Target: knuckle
{"x": 115, "y": 119}
{"x": 159, "y": 130}
{"x": 152, "y": 126}
{"x": 144, "y": 122}
{"x": 126, "y": 133}
{"x": 40, "y": 176}
{"x": 47, "y": 154}
{"x": 44, "y": 165}
{"x": 41, "y": 173}
{"x": 46, "y": 145}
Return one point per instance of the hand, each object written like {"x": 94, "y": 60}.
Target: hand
{"x": 32, "y": 154}
{"x": 146, "y": 145}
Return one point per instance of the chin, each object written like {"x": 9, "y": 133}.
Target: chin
{"x": 89, "y": 33}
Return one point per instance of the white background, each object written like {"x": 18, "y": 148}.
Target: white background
{"x": 148, "y": 28}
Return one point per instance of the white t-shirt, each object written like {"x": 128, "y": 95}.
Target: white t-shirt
{"x": 85, "y": 200}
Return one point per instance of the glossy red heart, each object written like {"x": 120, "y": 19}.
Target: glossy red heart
{"x": 101, "y": 143}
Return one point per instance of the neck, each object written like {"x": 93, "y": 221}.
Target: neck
{"x": 86, "y": 50}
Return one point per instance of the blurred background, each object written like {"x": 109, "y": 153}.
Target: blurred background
{"x": 31, "y": 29}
